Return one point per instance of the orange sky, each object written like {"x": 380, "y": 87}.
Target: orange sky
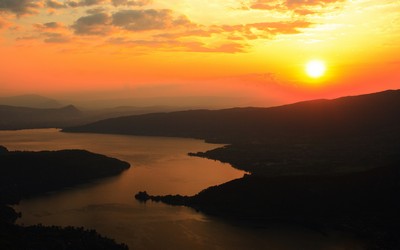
{"x": 252, "y": 50}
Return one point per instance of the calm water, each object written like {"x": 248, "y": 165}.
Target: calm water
{"x": 159, "y": 166}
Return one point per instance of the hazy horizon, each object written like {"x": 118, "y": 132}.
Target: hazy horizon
{"x": 93, "y": 101}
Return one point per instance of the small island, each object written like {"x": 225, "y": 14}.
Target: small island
{"x": 23, "y": 174}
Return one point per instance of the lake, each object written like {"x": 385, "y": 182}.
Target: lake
{"x": 159, "y": 166}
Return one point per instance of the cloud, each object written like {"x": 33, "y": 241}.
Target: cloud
{"x": 223, "y": 48}
{"x": 55, "y": 4}
{"x": 131, "y": 2}
{"x": 84, "y": 3}
{"x": 50, "y": 32}
{"x": 266, "y": 5}
{"x": 300, "y": 7}
{"x": 275, "y": 28}
{"x": 150, "y": 19}
{"x": 3, "y": 23}
{"x": 26, "y": 38}
{"x": 96, "y": 11}
{"x": 176, "y": 45}
{"x": 51, "y": 37}
{"x": 19, "y": 7}
{"x": 310, "y": 2}
{"x": 100, "y": 23}
{"x": 196, "y": 32}
{"x": 94, "y": 24}
{"x": 251, "y": 31}
{"x": 49, "y": 25}
{"x": 163, "y": 29}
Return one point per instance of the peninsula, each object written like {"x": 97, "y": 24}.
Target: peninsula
{"x": 23, "y": 174}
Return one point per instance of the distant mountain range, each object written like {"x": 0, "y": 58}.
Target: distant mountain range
{"x": 23, "y": 117}
{"x": 31, "y": 101}
{"x": 348, "y": 116}
{"x": 16, "y": 117}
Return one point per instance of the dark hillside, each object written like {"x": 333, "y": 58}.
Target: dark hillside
{"x": 319, "y": 119}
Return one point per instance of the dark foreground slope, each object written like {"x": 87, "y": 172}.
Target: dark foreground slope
{"x": 24, "y": 174}
{"x": 365, "y": 203}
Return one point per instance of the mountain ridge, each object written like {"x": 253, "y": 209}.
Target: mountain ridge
{"x": 31, "y": 101}
{"x": 338, "y": 117}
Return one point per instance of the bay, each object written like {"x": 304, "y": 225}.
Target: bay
{"x": 160, "y": 166}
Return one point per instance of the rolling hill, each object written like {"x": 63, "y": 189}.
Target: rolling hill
{"x": 348, "y": 116}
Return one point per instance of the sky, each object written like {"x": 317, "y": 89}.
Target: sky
{"x": 241, "y": 52}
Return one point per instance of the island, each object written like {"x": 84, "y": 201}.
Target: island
{"x": 24, "y": 174}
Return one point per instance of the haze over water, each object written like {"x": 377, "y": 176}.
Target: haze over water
{"x": 159, "y": 166}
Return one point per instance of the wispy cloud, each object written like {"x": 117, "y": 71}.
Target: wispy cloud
{"x": 176, "y": 45}
{"x": 300, "y": 7}
{"x": 265, "y": 30}
{"x": 84, "y": 3}
{"x": 53, "y": 37}
{"x": 131, "y": 2}
{"x": 150, "y": 19}
{"x": 49, "y": 25}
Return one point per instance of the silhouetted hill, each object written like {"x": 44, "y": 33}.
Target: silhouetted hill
{"x": 299, "y": 197}
{"x": 94, "y": 115}
{"x": 24, "y": 174}
{"x": 31, "y": 101}
{"x": 22, "y": 117}
{"x": 3, "y": 150}
{"x": 328, "y": 163}
{"x": 343, "y": 117}
{"x": 365, "y": 203}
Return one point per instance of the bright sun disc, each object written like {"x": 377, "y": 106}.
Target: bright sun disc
{"x": 315, "y": 68}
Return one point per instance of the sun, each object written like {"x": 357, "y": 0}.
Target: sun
{"x": 315, "y": 68}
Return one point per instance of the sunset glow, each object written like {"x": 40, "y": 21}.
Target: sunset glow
{"x": 251, "y": 51}
{"x": 315, "y": 68}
